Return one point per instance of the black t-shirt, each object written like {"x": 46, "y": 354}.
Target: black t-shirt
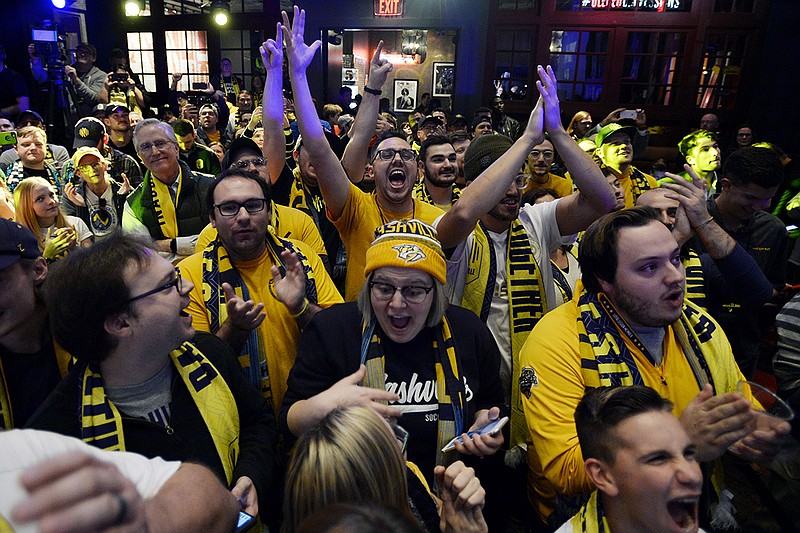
{"x": 31, "y": 172}
{"x": 129, "y": 149}
{"x": 30, "y": 378}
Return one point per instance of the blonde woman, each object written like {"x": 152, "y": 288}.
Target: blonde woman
{"x": 38, "y": 210}
{"x": 353, "y": 455}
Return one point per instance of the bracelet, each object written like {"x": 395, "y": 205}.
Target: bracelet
{"x": 707, "y": 222}
{"x": 306, "y": 306}
{"x": 370, "y": 90}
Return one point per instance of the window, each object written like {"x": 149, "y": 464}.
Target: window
{"x": 720, "y": 70}
{"x": 512, "y": 63}
{"x": 625, "y": 5}
{"x": 142, "y": 59}
{"x": 734, "y": 6}
{"x": 242, "y": 48}
{"x": 193, "y": 7}
{"x": 515, "y": 5}
{"x": 651, "y": 67}
{"x": 579, "y": 60}
{"x": 187, "y": 53}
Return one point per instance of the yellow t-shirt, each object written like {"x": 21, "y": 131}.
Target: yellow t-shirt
{"x": 290, "y": 223}
{"x": 278, "y": 332}
{"x": 563, "y": 186}
{"x": 360, "y": 216}
{"x": 553, "y": 352}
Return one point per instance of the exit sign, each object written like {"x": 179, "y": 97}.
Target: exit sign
{"x": 389, "y": 8}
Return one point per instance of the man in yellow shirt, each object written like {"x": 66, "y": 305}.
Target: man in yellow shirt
{"x": 615, "y": 149}
{"x": 253, "y": 289}
{"x": 628, "y": 324}
{"x": 538, "y": 164}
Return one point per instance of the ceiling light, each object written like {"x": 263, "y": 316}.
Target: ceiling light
{"x": 60, "y": 4}
{"x": 220, "y": 9}
{"x": 133, "y": 7}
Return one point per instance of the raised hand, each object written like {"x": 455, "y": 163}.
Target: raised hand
{"x": 300, "y": 54}
{"x": 126, "y": 185}
{"x": 74, "y": 196}
{"x": 463, "y": 499}
{"x": 716, "y": 422}
{"x": 244, "y": 315}
{"x": 534, "y": 130}
{"x": 272, "y": 51}
{"x": 58, "y": 242}
{"x": 290, "y": 288}
{"x": 348, "y": 392}
{"x": 548, "y": 89}
{"x": 379, "y": 69}
{"x": 691, "y": 195}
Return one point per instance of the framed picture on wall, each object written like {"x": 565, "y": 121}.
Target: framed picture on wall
{"x": 443, "y": 77}
{"x": 405, "y": 95}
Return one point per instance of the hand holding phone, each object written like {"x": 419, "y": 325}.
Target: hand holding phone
{"x": 492, "y": 428}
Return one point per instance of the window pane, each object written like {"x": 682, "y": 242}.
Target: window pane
{"x": 522, "y": 40}
{"x": 505, "y": 40}
{"x": 563, "y": 66}
{"x": 149, "y": 81}
{"x": 502, "y": 63}
{"x": 230, "y": 39}
{"x": 568, "y": 5}
{"x": 175, "y": 39}
{"x": 521, "y": 61}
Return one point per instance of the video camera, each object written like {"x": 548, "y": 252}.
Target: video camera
{"x": 198, "y": 98}
{"x": 50, "y": 45}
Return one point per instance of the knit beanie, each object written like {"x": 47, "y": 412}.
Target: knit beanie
{"x": 482, "y": 152}
{"x": 407, "y": 244}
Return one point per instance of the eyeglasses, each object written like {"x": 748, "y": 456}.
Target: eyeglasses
{"x": 244, "y": 164}
{"x": 547, "y": 154}
{"x": 252, "y": 206}
{"x": 159, "y": 145}
{"x": 97, "y": 166}
{"x": 387, "y": 154}
{"x": 176, "y": 282}
{"x": 521, "y": 181}
{"x": 401, "y": 434}
{"x": 413, "y": 294}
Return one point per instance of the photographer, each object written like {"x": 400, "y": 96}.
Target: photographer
{"x": 119, "y": 88}
{"x": 189, "y": 103}
{"x": 85, "y": 79}
{"x": 13, "y": 90}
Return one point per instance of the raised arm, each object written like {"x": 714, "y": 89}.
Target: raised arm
{"x": 490, "y": 187}
{"x": 272, "y": 106}
{"x": 355, "y": 155}
{"x": 595, "y": 197}
{"x": 333, "y": 181}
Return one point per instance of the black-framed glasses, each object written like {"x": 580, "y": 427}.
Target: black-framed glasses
{"x": 175, "y": 282}
{"x": 413, "y": 294}
{"x": 244, "y": 164}
{"x": 401, "y": 434}
{"x": 160, "y": 145}
{"x": 231, "y": 209}
{"x": 387, "y": 154}
{"x": 547, "y": 154}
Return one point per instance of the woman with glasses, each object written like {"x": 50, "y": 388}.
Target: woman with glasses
{"x": 38, "y": 210}
{"x": 353, "y": 455}
{"x": 401, "y": 350}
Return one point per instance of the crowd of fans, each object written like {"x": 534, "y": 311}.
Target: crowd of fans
{"x": 310, "y": 314}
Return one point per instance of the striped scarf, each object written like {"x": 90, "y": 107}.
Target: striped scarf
{"x": 64, "y": 361}
{"x": 163, "y": 205}
{"x": 591, "y": 518}
{"x": 421, "y": 193}
{"x": 639, "y": 183}
{"x": 218, "y": 269}
{"x": 695, "y": 281}
{"x": 301, "y": 198}
{"x": 526, "y": 300}
{"x": 450, "y": 391}
{"x": 101, "y": 422}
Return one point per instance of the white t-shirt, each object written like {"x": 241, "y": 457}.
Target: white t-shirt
{"x": 540, "y": 223}
{"x": 82, "y": 231}
{"x": 103, "y": 217}
{"x": 23, "y": 448}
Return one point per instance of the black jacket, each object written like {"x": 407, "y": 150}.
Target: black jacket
{"x": 188, "y": 438}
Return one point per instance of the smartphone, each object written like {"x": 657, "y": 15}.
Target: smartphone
{"x": 8, "y": 138}
{"x": 492, "y": 428}
{"x": 119, "y": 76}
{"x": 628, "y": 113}
{"x": 245, "y": 522}
{"x": 790, "y": 227}
{"x": 199, "y": 86}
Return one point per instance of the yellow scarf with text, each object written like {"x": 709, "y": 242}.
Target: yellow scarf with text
{"x": 101, "y": 423}
{"x": 526, "y": 300}
{"x": 163, "y": 204}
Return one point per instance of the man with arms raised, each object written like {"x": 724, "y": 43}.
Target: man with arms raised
{"x": 642, "y": 462}
{"x": 252, "y": 288}
{"x": 628, "y": 324}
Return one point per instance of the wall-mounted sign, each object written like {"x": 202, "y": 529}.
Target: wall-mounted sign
{"x": 389, "y": 8}
{"x": 641, "y": 5}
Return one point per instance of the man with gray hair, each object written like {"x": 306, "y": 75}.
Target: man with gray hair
{"x": 169, "y": 206}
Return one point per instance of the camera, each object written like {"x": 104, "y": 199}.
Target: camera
{"x": 119, "y": 77}
{"x": 198, "y": 98}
